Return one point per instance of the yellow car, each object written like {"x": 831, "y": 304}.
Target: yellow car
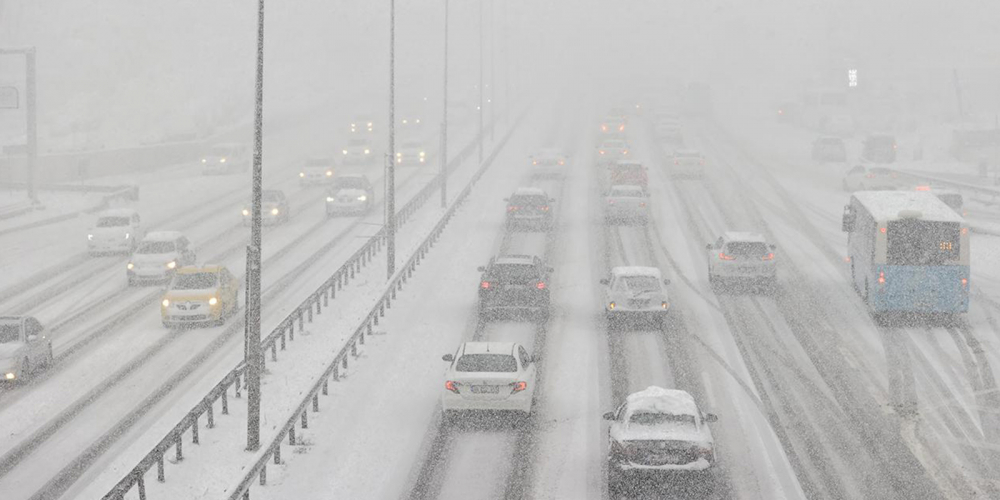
{"x": 200, "y": 296}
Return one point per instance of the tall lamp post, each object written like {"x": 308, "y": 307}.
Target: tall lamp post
{"x": 444, "y": 117}
{"x": 390, "y": 161}
{"x": 31, "y": 128}
{"x": 481, "y": 81}
{"x": 252, "y": 351}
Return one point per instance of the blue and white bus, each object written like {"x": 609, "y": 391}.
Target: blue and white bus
{"x": 909, "y": 252}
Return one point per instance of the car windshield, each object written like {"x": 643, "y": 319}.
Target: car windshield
{"x": 221, "y": 151}
{"x": 350, "y": 183}
{"x": 112, "y": 222}
{"x": 318, "y": 163}
{"x": 746, "y": 248}
{"x": 156, "y": 247}
{"x": 358, "y": 142}
{"x": 641, "y": 283}
{"x": 195, "y": 281}
{"x": 271, "y": 196}
{"x": 491, "y": 363}
{"x": 10, "y": 333}
{"x": 659, "y": 419}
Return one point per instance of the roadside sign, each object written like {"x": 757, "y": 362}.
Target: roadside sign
{"x": 9, "y": 98}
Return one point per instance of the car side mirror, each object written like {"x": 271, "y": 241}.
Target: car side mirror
{"x": 708, "y": 246}
{"x": 32, "y": 338}
{"x": 448, "y": 357}
{"x": 481, "y": 269}
{"x": 549, "y": 269}
{"x": 604, "y": 281}
{"x": 609, "y": 415}
{"x": 711, "y": 417}
{"x": 773, "y": 247}
{"x": 666, "y": 282}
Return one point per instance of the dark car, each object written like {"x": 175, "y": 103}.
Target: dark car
{"x": 829, "y": 149}
{"x": 879, "y": 148}
{"x": 514, "y": 284}
{"x": 529, "y": 208}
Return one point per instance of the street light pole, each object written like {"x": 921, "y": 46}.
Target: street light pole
{"x": 493, "y": 67}
{"x": 32, "y": 135}
{"x": 252, "y": 351}
{"x": 390, "y": 165}
{"x": 444, "y": 117}
{"x": 481, "y": 81}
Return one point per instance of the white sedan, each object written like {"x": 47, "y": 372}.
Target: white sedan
{"x": 496, "y": 376}
{"x": 549, "y": 162}
{"x": 24, "y": 346}
{"x": 626, "y": 204}
{"x": 637, "y": 292}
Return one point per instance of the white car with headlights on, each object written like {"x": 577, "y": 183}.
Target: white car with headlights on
{"x": 411, "y": 153}
{"x": 24, "y": 347}
{"x": 489, "y": 376}
{"x": 741, "y": 257}
{"x": 316, "y": 171}
{"x": 350, "y": 194}
{"x": 358, "y": 151}
{"x": 658, "y": 432}
{"x": 611, "y": 151}
{"x": 635, "y": 292}
{"x": 158, "y": 256}
{"x": 116, "y": 230}
{"x": 687, "y": 164}
{"x": 549, "y": 162}
{"x": 274, "y": 208}
{"x": 225, "y": 159}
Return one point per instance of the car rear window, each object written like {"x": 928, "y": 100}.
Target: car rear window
{"x": 195, "y": 281}
{"x": 628, "y": 169}
{"x": 513, "y": 272}
{"x": 10, "y": 333}
{"x": 533, "y": 200}
{"x": 627, "y": 193}
{"x": 657, "y": 419}
{"x": 486, "y": 363}
{"x": 641, "y": 283}
{"x": 350, "y": 183}
{"x": 746, "y": 248}
{"x": 155, "y": 247}
{"x": 112, "y": 221}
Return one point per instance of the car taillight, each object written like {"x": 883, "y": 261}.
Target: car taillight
{"x": 881, "y": 277}
{"x": 642, "y": 204}
{"x": 769, "y": 256}
{"x": 484, "y": 285}
{"x": 625, "y": 152}
{"x": 512, "y": 208}
{"x": 540, "y": 285}
{"x": 601, "y": 151}
{"x": 677, "y": 162}
{"x": 545, "y": 208}
{"x": 965, "y": 281}
{"x": 870, "y": 176}
{"x": 604, "y": 128}
{"x": 520, "y": 386}
{"x": 450, "y": 385}
{"x": 723, "y": 256}
{"x": 621, "y": 128}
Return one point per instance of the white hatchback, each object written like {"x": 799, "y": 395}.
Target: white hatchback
{"x": 626, "y": 204}
{"x": 635, "y": 291}
{"x": 497, "y": 376}
{"x": 117, "y": 230}
{"x": 739, "y": 256}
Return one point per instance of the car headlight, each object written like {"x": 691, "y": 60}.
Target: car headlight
{"x": 212, "y": 301}
{"x": 611, "y": 305}
{"x": 421, "y": 154}
{"x": 9, "y": 376}
{"x": 329, "y": 173}
{"x": 90, "y": 237}
{"x": 329, "y": 198}
{"x": 362, "y": 198}
{"x": 172, "y": 264}
{"x": 166, "y": 303}
{"x": 127, "y": 236}
{"x": 246, "y": 212}
{"x": 274, "y": 211}
{"x": 399, "y": 155}
{"x": 204, "y": 160}
{"x": 665, "y": 304}
{"x": 367, "y": 151}
{"x": 222, "y": 160}
{"x": 302, "y": 174}
{"x": 130, "y": 266}
{"x": 345, "y": 151}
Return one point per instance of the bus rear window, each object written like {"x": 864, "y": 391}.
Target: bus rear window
{"x": 914, "y": 242}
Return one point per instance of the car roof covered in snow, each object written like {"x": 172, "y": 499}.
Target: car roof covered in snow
{"x": 892, "y": 205}
{"x": 635, "y": 271}
{"x": 117, "y": 212}
{"x": 514, "y": 259}
{"x": 488, "y": 348}
{"x": 550, "y": 151}
{"x": 163, "y": 236}
{"x": 655, "y": 399}
{"x": 687, "y": 152}
{"x": 626, "y": 188}
{"x": 744, "y": 236}
{"x": 529, "y": 191}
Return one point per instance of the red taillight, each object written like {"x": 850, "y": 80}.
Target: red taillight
{"x": 484, "y": 285}
{"x": 604, "y": 128}
{"x": 723, "y": 256}
{"x": 882, "y": 229}
{"x": 965, "y": 281}
{"x": 450, "y": 385}
{"x": 923, "y": 188}
{"x": 611, "y": 202}
{"x": 540, "y": 285}
{"x": 545, "y": 208}
{"x": 520, "y": 386}
{"x": 621, "y": 128}
{"x": 601, "y": 151}
{"x": 781, "y": 111}
{"x": 642, "y": 204}
{"x": 870, "y": 176}
{"x": 769, "y": 256}
{"x": 881, "y": 277}
{"x": 512, "y": 208}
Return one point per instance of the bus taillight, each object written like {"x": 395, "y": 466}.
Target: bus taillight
{"x": 881, "y": 277}
{"x": 723, "y": 256}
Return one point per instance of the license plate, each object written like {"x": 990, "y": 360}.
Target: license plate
{"x": 516, "y": 287}
{"x": 747, "y": 269}
{"x": 485, "y": 389}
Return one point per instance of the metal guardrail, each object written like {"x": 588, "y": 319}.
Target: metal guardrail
{"x": 285, "y": 332}
{"x": 992, "y": 192}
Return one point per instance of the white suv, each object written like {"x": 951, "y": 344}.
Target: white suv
{"x": 746, "y": 257}
{"x": 24, "y": 346}
{"x": 635, "y": 292}
{"x": 117, "y": 230}
{"x": 488, "y": 376}
{"x": 658, "y": 431}
{"x": 159, "y": 255}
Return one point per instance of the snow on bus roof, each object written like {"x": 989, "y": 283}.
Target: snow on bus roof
{"x": 887, "y": 205}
